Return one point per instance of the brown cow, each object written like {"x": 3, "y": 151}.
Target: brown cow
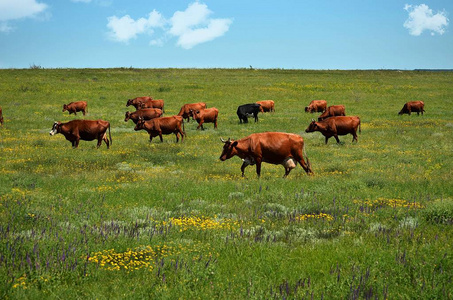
{"x": 266, "y": 106}
{"x": 208, "y": 115}
{"x": 335, "y": 126}
{"x": 152, "y": 103}
{"x": 137, "y": 101}
{"x": 164, "y": 125}
{"x": 86, "y": 130}
{"x": 332, "y": 111}
{"x": 1, "y": 116}
{"x": 413, "y": 106}
{"x": 276, "y": 148}
{"x": 316, "y": 106}
{"x": 74, "y": 107}
{"x": 186, "y": 109}
{"x": 146, "y": 114}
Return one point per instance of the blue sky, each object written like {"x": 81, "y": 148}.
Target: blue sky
{"x": 288, "y": 34}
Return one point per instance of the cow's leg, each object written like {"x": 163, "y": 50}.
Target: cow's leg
{"x": 215, "y": 123}
{"x": 354, "y": 137}
{"x": 160, "y": 136}
{"x": 106, "y": 140}
{"x": 244, "y": 165}
{"x": 150, "y": 138}
{"x": 327, "y": 139}
{"x": 258, "y": 167}
{"x": 336, "y": 137}
{"x": 177, "y": 136}
{"x": 77, "y": 142}
{"x": 83, "y": 111}
{"x": 256, "y": 117}
{"x": 200, "y": 125}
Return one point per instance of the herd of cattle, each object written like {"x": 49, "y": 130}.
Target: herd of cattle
{"x": 271, "y": 147}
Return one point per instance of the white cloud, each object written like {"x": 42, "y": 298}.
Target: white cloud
{"x": 17, "y": 9}
{"x": 193, "y": 37}
{"x": 191, "y": 27}
{"x": 421, "y": 18}
{"x": 125, "y": 28}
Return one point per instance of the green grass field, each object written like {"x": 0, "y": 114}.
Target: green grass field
{"x": 170, "y": 220}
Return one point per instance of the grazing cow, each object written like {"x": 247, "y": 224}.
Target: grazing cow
{"x": 74, "y": 107}
{"x": 335, "y": 126}
{"x": 136, "y": 102}
{"x": 164, "y": 125}
{"x": 246, "y": 110}
{"x": 186, "y": 109}
{"x": 332, "y": 111}
{"x": 413, "y": 106}
{"x": 146, "y": 114}
{"x": 316, "y": 106}
{"x": 157, "y": 103}
{"x": 86, "y": 130}
{"x": 266, "y": 106}
{"x": 208, "y": 115}
{"x": 1, "y": 116}
{"x": 276, "y": 148}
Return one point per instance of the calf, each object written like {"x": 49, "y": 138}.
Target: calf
{"x": 335, "y": 126}
{"x": 186, "y": 109}
{"x": 136, "y": 102}
{"x": 208, "y": 115}
{"x": 86, "y": 130}
{"x": 157, "y": 103}
{"x": 316, "y": 106}
{"x": 246, "y": 110}
{"x": 413, "y": 106}
{"x": 74, "y": 107}
{"x": 332, "y": 111}
{"x": 159, "y": 126}
{"x": 146, "y": 114}
{"x": 276, "y": 148}
{"x": 266, "y": 106}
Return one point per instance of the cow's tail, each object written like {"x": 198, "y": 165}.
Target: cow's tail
{"x": 110, "y": 136}
{"x": 360, "y": 126}
{"x": 308, "y": 161}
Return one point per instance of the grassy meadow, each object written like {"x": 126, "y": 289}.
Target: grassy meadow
{"x": 171, "y": 221}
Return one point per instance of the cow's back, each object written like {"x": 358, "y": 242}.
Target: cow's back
{"x": 343, "y": 124}
{"x": 276, "y": 144}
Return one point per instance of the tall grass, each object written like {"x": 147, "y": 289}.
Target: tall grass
{"x": 170, "y": 220}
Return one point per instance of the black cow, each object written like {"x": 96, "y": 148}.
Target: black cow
{"x": 246, "y": 110}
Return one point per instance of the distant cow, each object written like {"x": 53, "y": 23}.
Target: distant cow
{"x": 208, "y": 115}
{"x": 146, "y": 114}
{"x": 413, "y": 106}
{"x": 153, "y": 103}
{"x": 335, "y": 126}
{"x": 86, "y": 130}
{"x": 332, "y": 111}
{"x": 164, "y": 125}
{"x": 316, "y": 106}
{"x": 1, "y": 116}
{"x": 276, "y": 148}
{"x": 266, "y": 106}
{"x": 246, "y": 110}
{"x": 137, "y": 101}
{"x": 74, "y": 107}
{"x": 186, "y": 109}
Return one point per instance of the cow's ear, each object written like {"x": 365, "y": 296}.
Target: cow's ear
{"x": 235, "y": 143}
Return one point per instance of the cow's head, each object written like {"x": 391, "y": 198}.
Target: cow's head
{"x": 65, "y": 107}
{"x": 312, "y": 127}
{"x": 194, "y": 113}
{"x": 127, "y": 117}
{"x": 307, "y": 109}
{"x": 140, "y": 124}
{"x": 55, "y": 128}
{"x": 229, "y": 149}
{"x": 129, "y": 102}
